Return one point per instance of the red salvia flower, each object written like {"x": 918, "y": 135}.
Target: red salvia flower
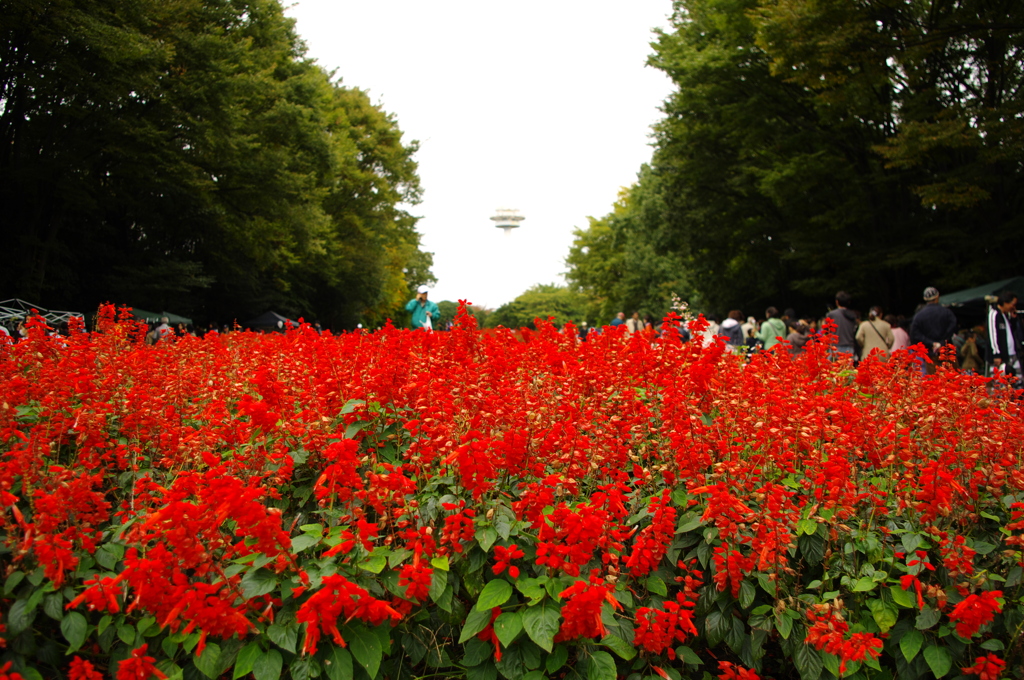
{"x": 731, "y": 671}
{"x": 988, "y": 667}
{"x": 974, "y": 611}
{"x": 83, "y": 670}
{"x": 139, "y": 667}
{"x": 582, "y": 610}
{"x": 504, "y": 557}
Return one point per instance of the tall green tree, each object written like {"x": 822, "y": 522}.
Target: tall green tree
{"x": 620, "y": 264}
{"x": 817, "y": 145}
{"x": 186, "y": 155}
{"x": 560, "y": 304}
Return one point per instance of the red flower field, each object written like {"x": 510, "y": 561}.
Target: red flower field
{"x": 409, "y": 505}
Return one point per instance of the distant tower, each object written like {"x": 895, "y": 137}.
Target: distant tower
{"x": 507, "y": 219}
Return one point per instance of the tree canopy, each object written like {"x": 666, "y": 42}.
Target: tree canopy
{"x": 186, "y": 155}
{"x": 817, "y": 145}
{"x": 560, "y": 304}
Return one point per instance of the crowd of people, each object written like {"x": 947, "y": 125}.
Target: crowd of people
{"x": 994, "y": 346}
{"x": 984, "y": 349}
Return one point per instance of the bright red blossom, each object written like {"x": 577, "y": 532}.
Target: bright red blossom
{"x": 988, "y": 667}
{"x": 83, "y": 670}
{"x": 139, "y": 666}
{"x": 582, "y": 610}
{"x": 974, "y": 611}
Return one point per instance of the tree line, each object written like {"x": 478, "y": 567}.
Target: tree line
{"x": 810, "y": 146}
{"x": 188, "y": 156}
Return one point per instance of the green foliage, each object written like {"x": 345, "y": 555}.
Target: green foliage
{"x": 812, "y": 146}
{"x": 187, "y": 156}
{"x": 621, "y": 265}
{"x": 543, "y": 301}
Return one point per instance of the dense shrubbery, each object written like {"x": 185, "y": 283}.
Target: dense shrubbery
{"x": 409, "y": 505}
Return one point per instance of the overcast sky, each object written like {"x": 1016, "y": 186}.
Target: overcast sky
{"x": 542, "y": 106}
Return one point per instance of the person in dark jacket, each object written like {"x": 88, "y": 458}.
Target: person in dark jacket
{"x": 846, "y": 324}
{"x": 933, "y": 325}
{"x": 1004, "y": 334}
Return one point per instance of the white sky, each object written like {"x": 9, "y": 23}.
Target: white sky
{"x": 541, "y": 106}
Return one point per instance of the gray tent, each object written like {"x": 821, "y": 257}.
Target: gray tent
{"x": 269, "y": 321}
{"x": 976, "y": 296}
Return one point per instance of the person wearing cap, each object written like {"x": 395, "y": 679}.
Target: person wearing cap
{"x": 424, "y": 312}
{"x": 933, "y": 325}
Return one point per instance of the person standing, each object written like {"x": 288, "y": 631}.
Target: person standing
{"x": 970, "y": 357}
{"x": 732, "y": 329}
{"x": 772, "y": 329}
{"x": 423, "y": 311}
{"x": 846, "y": 324}
{"x": 902, "y": 338}
{"x": 875, "y": 333}
{"x": 634, "y": 324}
{"x": 619, "y": 320}
{"x": 932, "y": 326}
{"x": 1003, "y": 334}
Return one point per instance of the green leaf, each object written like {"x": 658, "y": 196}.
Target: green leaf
{"x": 268, "y": 665}
{"x": 767, "y": 585}
{"x": 284, "y": 637}
{"x": 494, "y": 594}
{"x": 258, "y": 582}
{"x": 938, "y": 659}
{"x": 993, "y": 645}
{"x": 910, "y": 644}
{"x": 656, "y": 585}
{"x": 808, "y": 661}
{"x": 351, "y": 405}
{"x": 207, "y": 663}
{"x": 300, "y": 543}
{"x": 477, "y": 651}
{"x": 485, "y": 671}
{"x": 19, "y": 618}
{"x": 440, "y": 563}
{"x": 374, "y": 563}
{"x": 864, "y": 584}
{"x": 784, "y": 625}
{"x": 486, "y": 537}
{"x": 245, "y": 660}
{"x": 74, "y": 627}
{"x": 541, "y": 624}
{"x": 928, "y": 617}
{"x": 688, "y": 523}
{"x": 126, "y": 632}
{"x": 12, "y": 581}
{"x": 365, "y": 647}
{"x": 806, "y": 526}
{"x": 338, "y": 664}
{"x": 53, "y": 606}
{"x": 902, "y": 597}
{"x": 747, "y": 593}
{"x": 556, "y": 659}
{"x": 507, "y": 626}
{"x": 884, "y": 614}
{"x": 438, "y": 584}
{"x": 601, "y": 667}
{"x": 619, "y": 646}
{"x": 476, "y": 621}
{"x": 531, "y": 588}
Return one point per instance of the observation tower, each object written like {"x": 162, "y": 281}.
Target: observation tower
{"x": 507, "y": 219}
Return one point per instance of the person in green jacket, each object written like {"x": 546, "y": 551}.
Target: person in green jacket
{"x": 424, "y": 312}
{"x": 772, "y": 329}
